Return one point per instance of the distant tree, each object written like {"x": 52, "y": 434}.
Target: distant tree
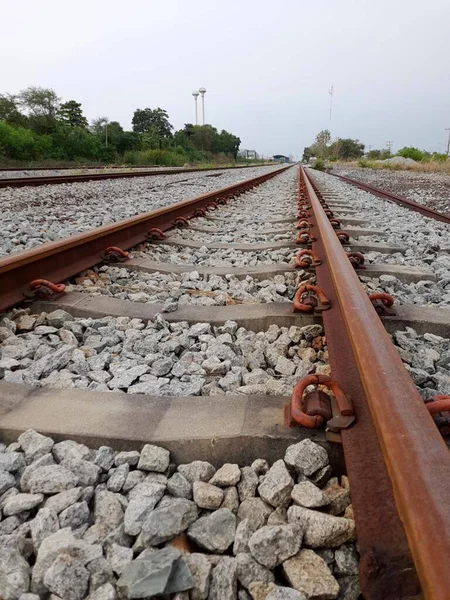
{"x": 41, "y": 105}
{"x": 378, "y": 154}
{"x": 346, "y": 149}
{"x": 149, "y": 120}
{"x": 99, "y": 124}
{"x": 71, "y": 113}
{"x": 9, "y": 110}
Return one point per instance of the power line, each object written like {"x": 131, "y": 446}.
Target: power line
{"x": 389, "y": 144}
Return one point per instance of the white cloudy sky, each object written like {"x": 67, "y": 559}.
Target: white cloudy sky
{"x": 267, "y": 66}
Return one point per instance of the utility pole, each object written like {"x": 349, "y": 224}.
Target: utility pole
{"x": 106, "y": 135}
{"x": 202, "y": 93}
{"x": 389, "y": 144}
{"x": 448, "y": 143}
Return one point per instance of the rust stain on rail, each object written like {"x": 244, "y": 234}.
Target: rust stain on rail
{"x": 415, "y": 455}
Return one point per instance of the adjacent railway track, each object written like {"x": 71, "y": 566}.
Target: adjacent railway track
{"x": 400, "y": 200}
{"x": 364, "y": 401}
{"x": 14, "y": 182}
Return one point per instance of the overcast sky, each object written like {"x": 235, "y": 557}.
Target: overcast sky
{"x": 267, "y": 66}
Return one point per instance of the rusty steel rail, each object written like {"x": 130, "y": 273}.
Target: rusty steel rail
{"x": 397, "y": 462}
{"x": 62, "y": 259}
{"x": 58, "y": 179}
{"x": 400, "y": 200}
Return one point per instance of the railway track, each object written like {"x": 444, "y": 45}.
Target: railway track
{"x": 15, "y": 182}
{"x": 250, "y": 242}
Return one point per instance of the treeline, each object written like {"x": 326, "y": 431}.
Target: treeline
{"x": 35, "y": 125}
{"x": 347, "y": 149}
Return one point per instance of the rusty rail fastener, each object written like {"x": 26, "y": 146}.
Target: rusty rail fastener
{"x": 155, "y": 234}
{"x": 45, "y": 290}
{"x": 315, "y": 408}
{"x": 180, "y": 222}
{"x": 343, "y": 237}
{"x": 303, "y": 214}
{"x": 307, "y": 259}
{"x": 212, "y": 206}
{"x": 198, "y": 212}
{"x": 382, "y": 303}
{"x": 310, "y": 298}
{"x": 304, "y": 224}
{"x": 357, "y": 259}
{"x": 335, "y": 223}
{"x": 115, "y": 254}
{"x": 304, "y": 238}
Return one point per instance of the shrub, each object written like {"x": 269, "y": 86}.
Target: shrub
{"x": 154, "y": 157}
{"x": 411, "y": 152}
{"x": 319, "y": 164}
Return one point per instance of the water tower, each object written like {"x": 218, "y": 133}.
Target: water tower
{"x": 195, "y": 94}
{"x": 202, "y": 93}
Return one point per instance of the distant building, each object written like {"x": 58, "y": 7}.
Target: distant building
{"x": 280, "y": 158}
{"x": 252, "y": 154}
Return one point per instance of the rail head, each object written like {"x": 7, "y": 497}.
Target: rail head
{"x": 416, "y": 457}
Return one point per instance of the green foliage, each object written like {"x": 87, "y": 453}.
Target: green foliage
{"x": 439, "y": 157}
{"x": 319, "y": 164}
{"x": 154, "y": 157}
{"x": 41, "y": 105}
{"x": 71, "y": 114}
{"x": 35, "y": 126}
{"x": 414, "y": 153}
{"x": 362, "y": 163}
{"x": 346, "y": 149}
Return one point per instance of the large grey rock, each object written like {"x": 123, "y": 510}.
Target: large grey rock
{"x": 105, "y": 457}
{"x": 346, "y": 560}
{"x": 198, "y": 470}
{"x": 12, "y": 461}
{"x": 244, "y": 532}
{"x": 131, "y": 457}
{"x": 75, "y": 515}
{"x": 87, "y": 472}
{"x": 228, "y": 474}
{"x": 306, "y": 457}
{"x": 63, "y": 500}
{"x": 179, "y": 486}
{"x": 349, "y": 588}
{"x": 223, "y": 585}
{"x": 248, "y": 483}
{"x": 336, "y": 497}
{"x": 249, "y": 570}
{"x": 118, "y": 557}
{"x": 156, "y": 573}
{"x": 14, "y": 574}
{"x": 70, "y": 449}
{"x": 260, "y": 590}
{"x": 100, "y": 573}
{"x": 285, "y": 593}
{"x": 51, "y": 480}
{"x": 142, "y": 500}
{"x": 34, "y": 444}
{"x": 21, "y": 502}
{"x": 67, "y": 578}
{"x": 108, "y": 515}
{"x": 307, "y": 494}
{"x": 320, "y": 529}
{"x": 61, "y": 542}
{"x": 154, "y": 458}
{"x": 277, "y": 485}
{"x": 207, "y": 496}
{"x": 44, "y": 461}
{"x": 273, "y": 544}
{"x": 118, "y": 478}
{"x": 230, "y": 500}
{"x": 165, "y": 523}
{"x": 310, "y": 575}
{"x": 45, "y": 523}
{"x": 214, "y": 532}
{"x": 106, "y": 592}
{"x": 58, "y": 318}
{"x": 7, "y": 481}
{"x": 200, "y": 568}
{"x": 256, "y": 511}
{"x": 260, "y": 466}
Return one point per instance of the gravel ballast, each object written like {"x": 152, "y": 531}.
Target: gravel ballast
{"x": 33, "y": 215}
{"x": 96, "y": 524}
{"x": 158, "y": 358}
